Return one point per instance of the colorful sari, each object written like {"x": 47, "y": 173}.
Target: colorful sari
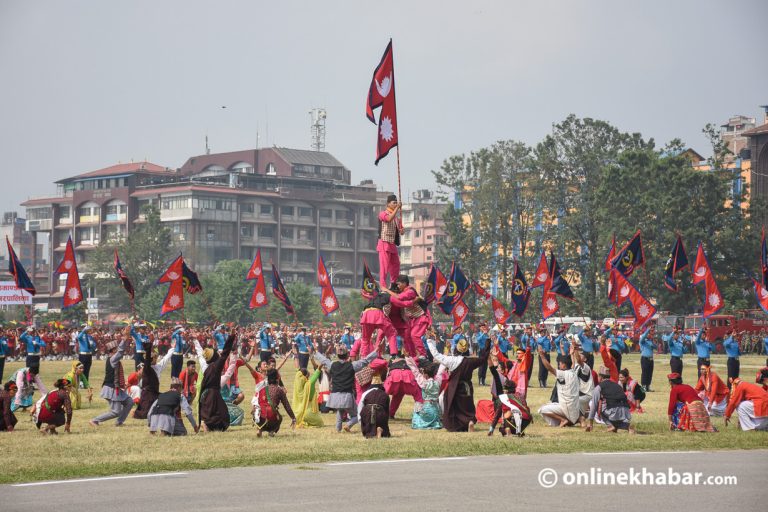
{"x": 304, "y": 403}
{"x": 692, "y": 417}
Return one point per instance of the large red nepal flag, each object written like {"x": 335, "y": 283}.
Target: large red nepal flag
{"x": 542, "y": 272}
{"x": 459, "y": 313}
{"x": 174, "y": 272}
{"x": 382, "y": 94}
{"x": 174, "y": 299}
{"x": 442, "y": 283}
{"x": 256, "y": 272}
{"x": 73, "y": 293}
{"x": 549, "y": 304}
{"x": 642, "y": 308}
{"x": 713, "y": 299}
{"x": 328, "y": 301}
{"x": 500, "y": 314}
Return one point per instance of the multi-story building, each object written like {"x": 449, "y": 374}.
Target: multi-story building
{"x": 424, "y": 231}
{"x": 292, "y": 204}
{"x": 30, "y": 253}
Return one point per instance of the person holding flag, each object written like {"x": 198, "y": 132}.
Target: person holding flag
{"x": 114, "y": 386}
{"x": 390, "y": 230}
{"x": 140, "y": 339}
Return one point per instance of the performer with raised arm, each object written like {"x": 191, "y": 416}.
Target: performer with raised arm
{"x": 212, "y": 410}
{"x": 390, "y": 229}
{"x": 86, "y": 346}
{"x": 342, "y": 373}
{"x": 150, "y": 380}
{"x": 458, "y": 401}
{"x": 113, "y": 387}
{"x": 415, "y": 313}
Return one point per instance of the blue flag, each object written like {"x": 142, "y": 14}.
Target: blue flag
{"x": 520, "y": 292}
{"x": 15, "y": 268}
{"x": 458, "y": 284}
{"x": 676, "y": 262}
{"x": 559, "y": 285}
{"x": 630, "y": 256}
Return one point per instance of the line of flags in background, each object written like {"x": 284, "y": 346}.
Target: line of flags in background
{"x": 447, "y": 293}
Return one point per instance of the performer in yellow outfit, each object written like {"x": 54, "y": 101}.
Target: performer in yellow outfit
{"x": 304, "y": 401}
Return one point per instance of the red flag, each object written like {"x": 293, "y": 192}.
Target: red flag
{"x": 480, "y": 291}
{"x": 542, "y": 272}
{"x": 256, "y": 272}
{"x": 549, "y": 304}
{"x": 328, "y": 301}
{"x": 174, "y": 299}
{"x": 174, "y": 274}
{"x": 442, "y": 283}
{"x": 459, "y": 313}
{"x": 500, "y": 314}
{"x": 713, "y": 299}
{"x": 73, "y": 294}
{"x": 641, "y": 307}
{"x": 382, "y": 94}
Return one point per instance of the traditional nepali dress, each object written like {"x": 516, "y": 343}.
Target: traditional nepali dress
{"x": 687, "y": 410}
{"x": 212, "y": 408}
{"x": 305, "y": 404}
{"x": 7, "y": 418}
{"x": 373, "y": 411}
{"x": 54, "y": 409}
{"x": 78, "y": 383}
{"x": 426, "y": 414}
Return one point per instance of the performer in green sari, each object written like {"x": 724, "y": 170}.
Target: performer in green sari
{"x": 79, "y": 381}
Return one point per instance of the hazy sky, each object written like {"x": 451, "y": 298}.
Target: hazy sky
{"x": 89, "y": 84}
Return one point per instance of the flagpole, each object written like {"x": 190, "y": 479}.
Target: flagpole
{"x": 399, "y": 187}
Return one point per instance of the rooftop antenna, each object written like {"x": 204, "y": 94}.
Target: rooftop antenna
{"x": 207, "y": 148}
{"x": 318, "y": 129}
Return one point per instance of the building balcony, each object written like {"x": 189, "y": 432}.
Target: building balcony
{"x": 39, "y": 225}
{"x": 300, "y": 221}
{"x": 115, "y": 217}
{"x": 88, "y": 219}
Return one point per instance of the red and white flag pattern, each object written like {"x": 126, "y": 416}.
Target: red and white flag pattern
{"x": 713, "y": 299}
{"x": 542, "y": 272}
{"x": 73, "y": 293}
{"x": 256, "y": 273}
{"x": 459, "y": 313}
{"x": 174, "y": 274}
{"x": 382, "y": 94}
{"x": 328, "y": 301}
{"x": 500, "y": 314}
{"x": 641, "y": 307}
{"x": 480, "y": 291}
{"x": 549, "y": 304}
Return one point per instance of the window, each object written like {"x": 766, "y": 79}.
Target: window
{"x": 429, "y": 258}
{"x": 305, "y": 212}
{"x": 416, "y": 233}
{"x": 247, "y": 207}
{"x": 246, "y": 231}
{"x": 286, "y": 211}
{"x": 286, "y": 234}
{"x": 429, "y": 249}
{"x": 305, "y": 257}
{"x": 342, "y": 214}
{"x": 175, "y": 203}
{"x": 326, "y": 235}
{"x": 429, "y": 237}
{"x": 266, "y": 232}
{"x": 65, "y": 211}
{"x": 271, "y": 170}
{"x": 326, "y": 213}
{"x": 265, "y": 209}
{"x": 40, "y": 213}
{"x": 213, "y": 203}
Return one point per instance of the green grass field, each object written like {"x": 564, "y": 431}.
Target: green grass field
{"x": 107, "y": 450}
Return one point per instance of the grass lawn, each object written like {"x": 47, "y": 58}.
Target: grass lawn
{"x": 107, "y": 450}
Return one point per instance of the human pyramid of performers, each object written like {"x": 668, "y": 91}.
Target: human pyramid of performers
{"x": 363, "y": 372}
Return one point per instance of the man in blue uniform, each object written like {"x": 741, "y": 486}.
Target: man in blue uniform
{"x": 733, "y": 352}
{"x": 703, "y": 349}
{"x": 544, "y": 342}
{"x": 178, "y": 345}
{"x": 647, "y": 347}
{"x": 139, "y": 335}
{"x": 676, "y": 343}
{"x": 34, "y": 345}
{"x": 86, "y": 346}
{"x": 302, "y": 345}
{"x": 482, "y": 340}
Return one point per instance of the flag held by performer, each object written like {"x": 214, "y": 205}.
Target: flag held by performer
{"x": 520, "y": 292}
{"x": 713, "y": 299}
{"x": 382, "y": 94}
{"x": 430, "y": 285}
{"x": 630, "y": 256}
{"x": 123, "y": 276}
{"x": 73, "y": 294}
{"x": 191, "y": 281}
{"x": 279, "y": 291}
{"x": 557, "y": 283}
{"x": 369, "y": 288}
{"x": 549, "y": 303}
{"x": 328, "y": 301}
{"x": 542, "y": 272}
{"x": 677, "y": 261}
{"x": 174, "y": 274}
{"x": 256, "y": 272}
{"x": 611, "y": 255}
{"x": 500, "y": 313}
{"x": 16, "y": 269}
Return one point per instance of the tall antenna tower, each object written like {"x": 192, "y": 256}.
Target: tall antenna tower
{"x": 318, "y": 128}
